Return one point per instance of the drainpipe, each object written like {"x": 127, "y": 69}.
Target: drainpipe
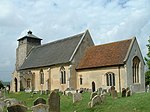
{"x": 119, "y": 79}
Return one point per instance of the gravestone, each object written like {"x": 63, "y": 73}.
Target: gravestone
{"x": 104, "y": 91}
{"x": 92, "y": 95}
{"x": 95, "y": 100}
{"x": 128, "y": 92}
{"x": 40, "y": 108}
{"x": 1, "y": 94}
{"x": 114, "y": 94}
{"x": 147, "y": 88}
{"x": 131, "y": 89}
{"x": 39, "y": 100}
{"x": 11, "y": 101}
{"x": 17, "y": 108}
{"x": 54, "y": 102}
{"x": 77, "y": 97}
{"x": 99, "y": 91}
{"x": 123, "y": 92}
{"x": 103, "y": 98}
{"x": 69, "y": 94}
{"x": 2, "y": 105}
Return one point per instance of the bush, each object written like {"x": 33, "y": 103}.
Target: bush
{"x": 147, "y": 78}
{"x": 1, "y": 85}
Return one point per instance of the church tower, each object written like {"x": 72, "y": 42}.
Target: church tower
{"x": 25, "y": 44}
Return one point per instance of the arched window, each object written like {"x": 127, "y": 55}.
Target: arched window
{"x": 135, "y": 69}
{"x": 81, "y": 80}
{"x": 41, "y": 76}
{"x": 28, "y": 83}
{"x": 110, "y": 79}
{"x": 62, "y": 75}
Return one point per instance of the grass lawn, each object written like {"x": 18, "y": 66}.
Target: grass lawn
{"x": 139, "y": 102}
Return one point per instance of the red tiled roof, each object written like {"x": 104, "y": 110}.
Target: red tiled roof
{"x": 110, "y": 54}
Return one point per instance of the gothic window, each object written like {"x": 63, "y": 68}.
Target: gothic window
{"x": 110, "y": 79}
{"x": 28, "y": 83}
{"x": 135, "y": 69}
{"x": 81, "y": 80}
{"x": 41, "y": 76}
{"x": 62, "y": 75}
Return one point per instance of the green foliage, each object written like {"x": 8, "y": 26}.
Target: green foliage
{"x": 147, "y": 78}
{"x": 147, "y": 59}
{"x": 1, "y": 85}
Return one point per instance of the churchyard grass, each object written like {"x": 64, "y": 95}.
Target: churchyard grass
{"x": 138, "y": 102}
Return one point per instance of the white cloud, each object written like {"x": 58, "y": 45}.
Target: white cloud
{"x": 108, "y": 20}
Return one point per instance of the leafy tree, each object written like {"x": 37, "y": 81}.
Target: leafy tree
{"x": 147, "y": 59}
{"x": 1, "y": 85}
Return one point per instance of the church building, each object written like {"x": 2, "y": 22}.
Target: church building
{"x": 75, "y": 62}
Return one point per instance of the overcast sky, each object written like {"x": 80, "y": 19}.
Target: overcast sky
{"x": 107, "y": 21}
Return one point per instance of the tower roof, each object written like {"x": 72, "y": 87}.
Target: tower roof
{"x": 30, "y": 35}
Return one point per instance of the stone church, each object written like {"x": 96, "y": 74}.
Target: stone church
{"x": 75, "y": 62}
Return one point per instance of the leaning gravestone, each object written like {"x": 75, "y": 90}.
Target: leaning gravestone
{"x": 39, "y": 100}
{"x": 92, "y": 95}
{"x": 77, "y": 97}
{"x": 95, "y": 100}
{"x": 54, "y": 102}
{"x": 40, "y": 108}
{"x": 17, "y": 108}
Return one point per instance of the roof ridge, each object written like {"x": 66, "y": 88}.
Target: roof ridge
{"x": 112, "y": 42}
{"x": 59, "y": 40}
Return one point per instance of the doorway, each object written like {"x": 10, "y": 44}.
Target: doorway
{"x": 16, "y": 85}
{"x": 93, "y": 86}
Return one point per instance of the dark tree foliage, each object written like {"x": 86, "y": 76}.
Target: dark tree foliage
{"x": 1, "y": 85}
{"x": 147, "y": 59}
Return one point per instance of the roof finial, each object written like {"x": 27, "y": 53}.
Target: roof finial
{"x": 29, "y": 32}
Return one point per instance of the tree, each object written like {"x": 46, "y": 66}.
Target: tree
{"x": 147, "y": 59}
{"x": 1, "y": 85}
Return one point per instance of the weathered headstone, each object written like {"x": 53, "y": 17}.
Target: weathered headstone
{"x": 95, "y": 100}
{"x": 104, "y": 91}
{"x": 77, "y": 97}
{"x": 123, "y": 92}
{"x": 1, "y": 94}
{"x": 114, "y": 94}
{"x": 128, "y": 92}
{"x": 40, "y": 108}
{"x": 69, "y": 94}
{"x": 2, "y": 105}
{"x": 11, "y": 101}
{"x": 92, "y": 95}
{"x": 17, "y": 108}
{"x": 54, "y": 102}
{"x": 39, "y": 100}
{"x": 99, "y": 91}
{"x": 103, "y": 98}
{"x": 131, "y": 89}
{"x": 147, "y": 88}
